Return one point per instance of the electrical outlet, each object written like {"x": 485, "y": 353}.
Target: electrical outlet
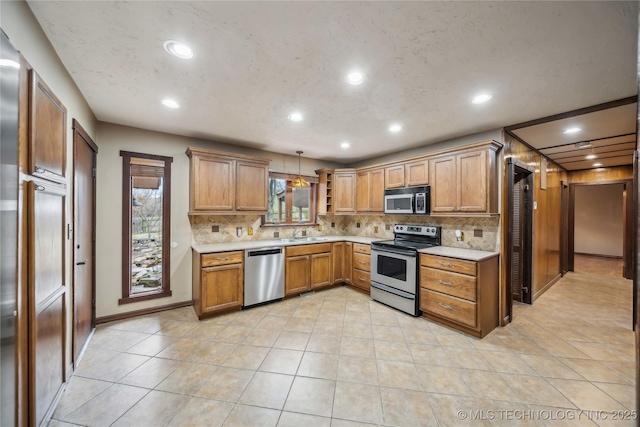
{"x": 387, "y": 227}
{"x": 319, "y": 227}
{"x": 375, "y": 228}
{"x": 215, "y": 228}
{"x": 304, "y": 233}
{"x": 357, "y": 225}
{"x": 477, "y": 232}
{"x": 333, "y": 224}
{"x": 276, "y": 234}
{"x": 250, "y": 231}
{"x": 239, "y": 231}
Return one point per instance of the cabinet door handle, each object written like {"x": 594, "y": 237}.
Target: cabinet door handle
{"x": 82, "y": 262}
{"x": 453, "y": 209}
{"x": 361, "y": 278}
{"x": 361, "y": 262}
{"x": 448, "y": 264}
{"x": 448, "y": 307}
{"x": 39, "y": 170}
{"x": 226, "y": 258}
{"x": 40, "y": 188}
{"x": 442, "y": 282}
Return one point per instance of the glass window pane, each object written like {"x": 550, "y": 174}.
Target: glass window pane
{"x": 301, "y": 204}
{"x": 146, "y": 233}
{"x": 277, "y": 200}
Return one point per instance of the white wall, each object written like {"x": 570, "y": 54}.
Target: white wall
{"x": 598, "y": 219}
{"x": 27, "y": 36}
{"x": 113, "y": 138}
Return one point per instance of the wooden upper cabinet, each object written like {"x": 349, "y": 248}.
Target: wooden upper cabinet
{"x": 417, "y": 173}
{"x": 472, "y": 181}
{"x": 252, "y": 180}
{"x": 394, "y": 176}
{"x": 225, "y": 183}
{"x": 443, "y": 184}
{"x": 370, "y": 191}
{"x": 344, "y": 191}
{"x": 47, "y": 132}
{"x": 212, "y": 184}
{"x": 465, "y": 182}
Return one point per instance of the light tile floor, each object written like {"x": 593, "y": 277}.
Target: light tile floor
{"x": 337, "y": 358}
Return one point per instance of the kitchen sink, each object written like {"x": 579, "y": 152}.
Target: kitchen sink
{"x": 303, "y": 239}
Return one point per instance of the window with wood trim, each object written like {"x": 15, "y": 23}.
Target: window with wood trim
{"x": 146, "y": 219}
{"x": 289, "y": 204}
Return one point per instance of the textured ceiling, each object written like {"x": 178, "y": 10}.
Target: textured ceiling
{"x": 608, "y": 134}
{"x": 256, "y": 62}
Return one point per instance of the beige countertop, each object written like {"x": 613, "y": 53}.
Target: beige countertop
{"x": 255, "y": 244}
{"x": 468, "y": 254}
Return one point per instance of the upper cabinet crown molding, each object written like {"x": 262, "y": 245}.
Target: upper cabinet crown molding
{"x": 226, "y": 183}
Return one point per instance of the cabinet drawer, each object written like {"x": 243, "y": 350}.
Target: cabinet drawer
{"x": 455, "y": 284}
{"x": 222, "y": 258}
{"x": 362, "y": 262}
{"x": 452, "y": 308}
{"x": 449, "y": 264}
{"x": 361, "y": 279}
{"x": 361, "y": 248}
{"x": 316, "y": 248}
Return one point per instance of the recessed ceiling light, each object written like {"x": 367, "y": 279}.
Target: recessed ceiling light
{"x": 178, "y": 49}
{"x": 595, "y": 165}
{"x": 170, "y": 103}
{"x": 295, "y": 117}
{"x": 9, "y": 63}
{"x": 591, "y": 157}
{"x": 356, "y": 78}
{"x": 482, "y": 98}
{"x": 572, "y": 130}
{"x": 345, "y": 145}
{"x": 395, "y": 128}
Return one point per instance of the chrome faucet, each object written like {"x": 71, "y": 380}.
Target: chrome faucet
{"x": 295, "y": 231}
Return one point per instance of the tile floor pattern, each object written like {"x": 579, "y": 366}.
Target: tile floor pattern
{"x": 598, "y": 265}
{"x": 335, "y": 358}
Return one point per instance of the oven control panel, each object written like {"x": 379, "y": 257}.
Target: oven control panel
{"x": 422, "y": 230}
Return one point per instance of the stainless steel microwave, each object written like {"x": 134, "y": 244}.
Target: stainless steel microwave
{"x": 408, "y": 201}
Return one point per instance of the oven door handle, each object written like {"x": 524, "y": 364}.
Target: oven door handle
{"x": 404, "y": 252}
{"x": 393, "y": 291}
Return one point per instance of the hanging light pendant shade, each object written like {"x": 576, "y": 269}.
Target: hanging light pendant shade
{"x": 299, "y": 182}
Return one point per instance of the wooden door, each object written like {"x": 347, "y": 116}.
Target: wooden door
{"x": 47, "y": 132}
{"x": 376, "y": 190}
{"x": 46, "y": 231}
{"x": 344, "y": 184}
{"x": 251, "y": 186}
{"x": 297, "y": 274}
{"x": 84, "y": 227}
{"x": 472, "y": 181}
{"x": 346, "y": 261}
{"x": 516, "y": 254}
{"x": 321, "y": 270}
{"x": 222, "y": 287}
{"x": 417, "y": 173}
{"x": 337, "y": 264}
{"x": 212, "y": 184}
{"x": 394, "y": 176}
{"x": 443, "y": 184}
{"x": 363, "y": 191}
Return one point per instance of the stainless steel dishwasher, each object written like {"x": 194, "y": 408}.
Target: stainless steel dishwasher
{"x": 263, "y": 275}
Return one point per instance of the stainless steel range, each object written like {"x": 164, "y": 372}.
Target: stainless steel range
{"x": 394, "y": 266}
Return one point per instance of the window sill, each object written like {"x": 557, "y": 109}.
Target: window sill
{"x": 304, "y": 224}
{"x": 144, "y": 297}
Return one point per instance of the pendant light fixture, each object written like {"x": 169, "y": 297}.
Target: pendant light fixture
{"x": 299, "y": 182}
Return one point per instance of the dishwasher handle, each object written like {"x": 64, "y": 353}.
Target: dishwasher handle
{"x": 263, "y": 252}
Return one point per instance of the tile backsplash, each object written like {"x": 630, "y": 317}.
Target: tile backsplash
{"x": 201, "y": 228}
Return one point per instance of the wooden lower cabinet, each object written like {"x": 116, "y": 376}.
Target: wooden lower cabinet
{"x": 297, "y": 278}
{"x": 307, "y": 267}
{"x": 337, "y": 262}
{"x": 321, "y": 270}
{"x": 460, "y": 293}
{"x": 346, "y": 262}
{"x": 361, "y": 263}
{"x": 218, "y": 282}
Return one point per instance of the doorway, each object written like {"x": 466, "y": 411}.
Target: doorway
{"x": 84, "y": 227}
{"x": 600, "y": 235}
{"x": 519, "y": 254}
